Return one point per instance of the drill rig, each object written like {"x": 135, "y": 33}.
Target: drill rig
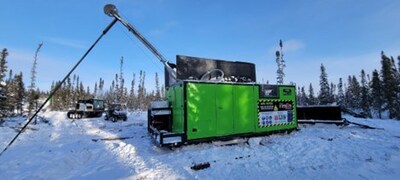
{"x": 209, "y": 99}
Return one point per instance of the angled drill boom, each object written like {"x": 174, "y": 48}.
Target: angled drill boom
{"x": 112, "y": 11}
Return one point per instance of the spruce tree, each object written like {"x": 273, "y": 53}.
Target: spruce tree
{"x": 397, "y": 88}
{"x": 52, "y": 100}
{"x": 376, "y": 93}
{"x": 68, "y": 93}
{"x": 348, "y": 101}
{"x": 20, "y": 92}
{"x": 95, "y": 90}
{"x": 77, "y": 92}
{"x": 101, "y": 89}
{"x": 162, "y": 91}
{"x": 158, "y": 91}
{"x": 298, "y": 96}
{"x": 3, "y": 88}
{"x": 109, "y": 95}
{"x": 356, "y": 93}
{"x": 11, "y": 93}
{"x": 340, "y": 95}
{"x": 125, "y": 96}
{"x": 132, "y": 96}
{"x": 332, "y": 92}
{"x": 364, "y": 104}
{"x": 353, "y": 94}
{"x": 389, "y": 85}
{"x": 10, "y": 90}
{"x": 73, "y": 90}
{"x": 88, "y": 94}
{"x": 3, "y": 65}
{"x": 324, "y": 96}
{"x": 63, "y": 96}
{"x": 82, "y": 93}
{"x": 141, "y": 91}
{"x": 302, "y": 97}
{"x": 398, "y": 70}
{"x": 116, "y": 92}
{"x": 121, "y": 87}
{"x": 312, "y": 100}
{"x": 16, "y": 92}
{"x": 55, "y": 103}
{"x": 10, "y": 76}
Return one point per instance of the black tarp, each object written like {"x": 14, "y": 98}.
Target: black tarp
{"x": 193, "y": 68}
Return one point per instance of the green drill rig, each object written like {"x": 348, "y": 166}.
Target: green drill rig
{"x": 208, "y": 99}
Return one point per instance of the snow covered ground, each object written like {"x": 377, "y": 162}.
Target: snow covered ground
{"x": 85, "y": 149}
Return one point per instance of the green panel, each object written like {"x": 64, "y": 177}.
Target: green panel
{"x": 176, "y": 98}
{"x": 201, "y": 114}
{"x": 215, "y": 110}
{"x": 224, "y": 101}
{"x": 244, "y": 108}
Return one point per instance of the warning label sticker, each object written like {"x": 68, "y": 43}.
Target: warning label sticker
{"x": 275, "y": 117}
{"x": 275, "y": 112}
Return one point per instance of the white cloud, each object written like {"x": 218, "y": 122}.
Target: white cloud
{"x": 290, "y": 45}
{"x": 164, "y": 28}
{"x": 293, "y": 45}
{"x": 66, "y": 42}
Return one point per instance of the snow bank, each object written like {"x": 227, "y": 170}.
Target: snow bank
{"x": 90, "y": 149}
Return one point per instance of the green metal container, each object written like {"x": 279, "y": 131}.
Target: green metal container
{"x": 208, "y": 110}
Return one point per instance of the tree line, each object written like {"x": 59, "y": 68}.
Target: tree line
{"x": 14, "y": 95}
{"x": 137, "y": 98}
{"x": 371, "y": 95}
{"x": 377, "y": 96}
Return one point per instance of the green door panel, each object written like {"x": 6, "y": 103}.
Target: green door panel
{"x": 201, "y": 114}
{"x": 244, "y": 109}
{"x": 177, "y": 110}
{"x": 224, "y": 101}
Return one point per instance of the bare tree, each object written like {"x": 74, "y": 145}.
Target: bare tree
{"x": 33, "y": 96}
{"x": 158, "y": 91}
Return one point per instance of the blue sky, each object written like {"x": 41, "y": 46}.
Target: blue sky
{"x": 346, "y": 36}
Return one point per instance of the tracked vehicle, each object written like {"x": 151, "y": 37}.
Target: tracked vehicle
{"x": 115, "y": 112}
{"x": 87, "y": 108}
